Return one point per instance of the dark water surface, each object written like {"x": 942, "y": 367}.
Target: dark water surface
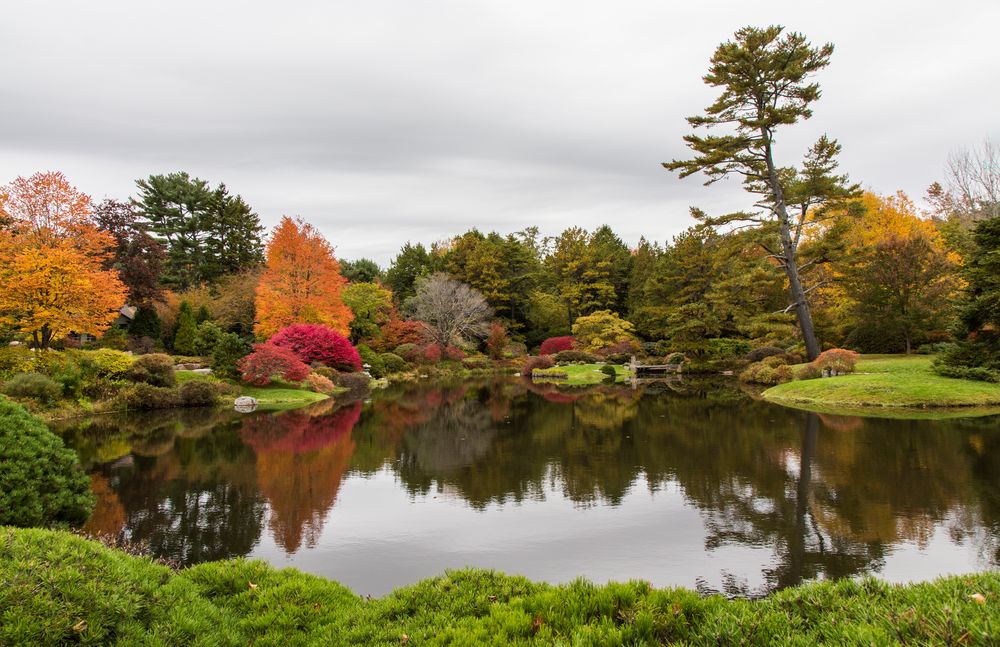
{"x": 688, "y": 484}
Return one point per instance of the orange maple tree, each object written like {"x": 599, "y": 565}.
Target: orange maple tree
{"x": 301, "y": 282}
{"x": 52, "y": 279}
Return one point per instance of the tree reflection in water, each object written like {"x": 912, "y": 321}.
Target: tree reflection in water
{"x": 830, "y": 496}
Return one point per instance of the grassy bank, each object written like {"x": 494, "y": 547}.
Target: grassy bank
{"x": 273, "y": 397}
{"x": 887, "y": 381}
{"x": 61, "y": 589}
{"x": 577, "y": 374}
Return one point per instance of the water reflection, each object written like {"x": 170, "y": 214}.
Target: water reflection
{"x": 694, "y": 481}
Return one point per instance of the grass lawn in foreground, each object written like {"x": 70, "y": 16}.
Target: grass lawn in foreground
{"x": 61, "y": 589}
{"x": 887, "y": 381}
{"x": 577, "y": 374}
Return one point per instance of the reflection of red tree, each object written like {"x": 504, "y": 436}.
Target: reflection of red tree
{"x": 551, "y": 392}
{"x": 301, "y": 460}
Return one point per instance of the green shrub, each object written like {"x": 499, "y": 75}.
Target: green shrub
{"x": 114, "y": 339}
{"x": 187, "y": 329}
{"x": 146, "y": 323}
{"x": 352, "y": 381}
{"x": 725, "y": 348}
{"x": 609, "y": 370}
{"x": 393, "y": 363}
{"x": 327, "y": 372}
{"x": 967, "y": 372}
{"x": 774, "y": 361}
{"x": 674, "y": 358}
{"x": 619, "y": 358}
{"x": 229, "y": 349}
{"x": 206, "y": 337}
{"x": 572, "y": 356}
{"x": 156, "y": 369}
{"x": 409, "y": 352}
{"x": 757, "y": 354}
{"x": 142, "y": 396}
{"x": 376, "y": 368}
{"x": 198, "y": 393}
{"x": 41, "y": 483}
{"x": 808, "y": 372}
{"x": 476, "y": 362}
{"x": 762, "y": 373}
{"x": 34, "y": 386}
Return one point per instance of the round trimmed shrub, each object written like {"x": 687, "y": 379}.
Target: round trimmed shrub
{"x": 373, "y": 360}
{"x": 228, "y": 351}
{"x": 608, "y": 370}
{"x": 393, "y": 363}
{"x": 142, "y": 396}
{"x": 757, "y": 354}
{"x": 839, "y": 360}
{"x": 106, "y": 362}
{"x": 538, "y": 361}
{"x": 33, "y": 386}
{"x": 156, "y": 369}
{"x": 808, "y": 372}
{"x": 198, "y": 393}
{"x": 41, "y": 483}
{"x": 318, "y": 383}
{"x": 409, "y": 352}
{"x": 268, "y": 361}
{"x": 315, "y": 343}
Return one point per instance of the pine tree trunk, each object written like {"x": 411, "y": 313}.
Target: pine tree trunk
{"x": 788, "y": 251}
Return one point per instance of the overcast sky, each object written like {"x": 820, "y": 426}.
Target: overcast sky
{"x": 384, "y": 121}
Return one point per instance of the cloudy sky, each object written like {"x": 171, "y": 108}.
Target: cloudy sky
{"x": 391, "y": 120}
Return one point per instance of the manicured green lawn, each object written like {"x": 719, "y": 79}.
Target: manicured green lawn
{"x": 60, "y": 589}
{"x": 578, "y": 374}
{"x": 887, "y": 381}
{"x": 273, "y": 397}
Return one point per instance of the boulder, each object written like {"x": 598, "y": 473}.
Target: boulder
{"x": 245, "y": 404}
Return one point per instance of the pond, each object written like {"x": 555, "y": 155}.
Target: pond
{"x": 684, "y": 483}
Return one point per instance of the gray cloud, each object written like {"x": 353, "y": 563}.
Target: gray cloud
{"x": 387, "y": 120}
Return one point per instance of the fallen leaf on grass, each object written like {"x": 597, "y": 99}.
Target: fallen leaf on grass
{"x": 251, "y": 585}
{"x": 80, "y": 627}
{"x": 979, "y": 598}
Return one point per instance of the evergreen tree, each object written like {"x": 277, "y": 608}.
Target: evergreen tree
{"x": 411, "y": 263}
{"x": 234, "y": 236}
{"x": 177, "y": 209}
{"x": 202, "y": 315}
{"x": 363, "y": 270}
{"x": 979, "y": 328}
{"x": 763, "y": 76}
{"x": 581, "y": 275}
{"x": 146, "y": 323}
{"x": 187, "y": 330}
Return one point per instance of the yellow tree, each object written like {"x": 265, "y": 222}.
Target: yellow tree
{"x": 301, "y": 282}
{"x": 52, "y": 279}
{"x": 896, "y": 281}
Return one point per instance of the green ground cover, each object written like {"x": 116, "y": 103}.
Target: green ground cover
{"x": 578, "y": 374}
{"x": 61, "y": 589}
{"x": 886, "y": 381}
{"x": 273, "y": 397}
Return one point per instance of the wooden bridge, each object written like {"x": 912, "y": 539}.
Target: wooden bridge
{"x": 651, "y": 370}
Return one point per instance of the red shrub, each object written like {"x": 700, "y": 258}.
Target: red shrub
{"x": 314, "y": 343}
{"x": 268, "y": 361}
{"x": 398, "y": 332}
{"x": 432, "y": 353}
{"x": 454, "y": 353}
{"x": 538, "y": 361}
{"x": 497, "y": 340}
{"x": 553, "y": 345}
{"x": 839, "y": 360}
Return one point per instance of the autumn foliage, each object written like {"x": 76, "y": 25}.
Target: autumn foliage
{"x": 301, "y": 282}
{"x": 553, "y": 345}
{"x": 313, "y": 343}
{"x": 268, "y": 361}
{"x": 839, "y": 360}
{"x": 52, "y": 276}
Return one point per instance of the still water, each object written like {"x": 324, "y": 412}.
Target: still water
{"x": 690, "y": 484}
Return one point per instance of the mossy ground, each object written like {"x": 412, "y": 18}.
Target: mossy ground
{"x": 58, "y": 588}
{"x": 578, "y": 374}
{"x": 887, "y": 381}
